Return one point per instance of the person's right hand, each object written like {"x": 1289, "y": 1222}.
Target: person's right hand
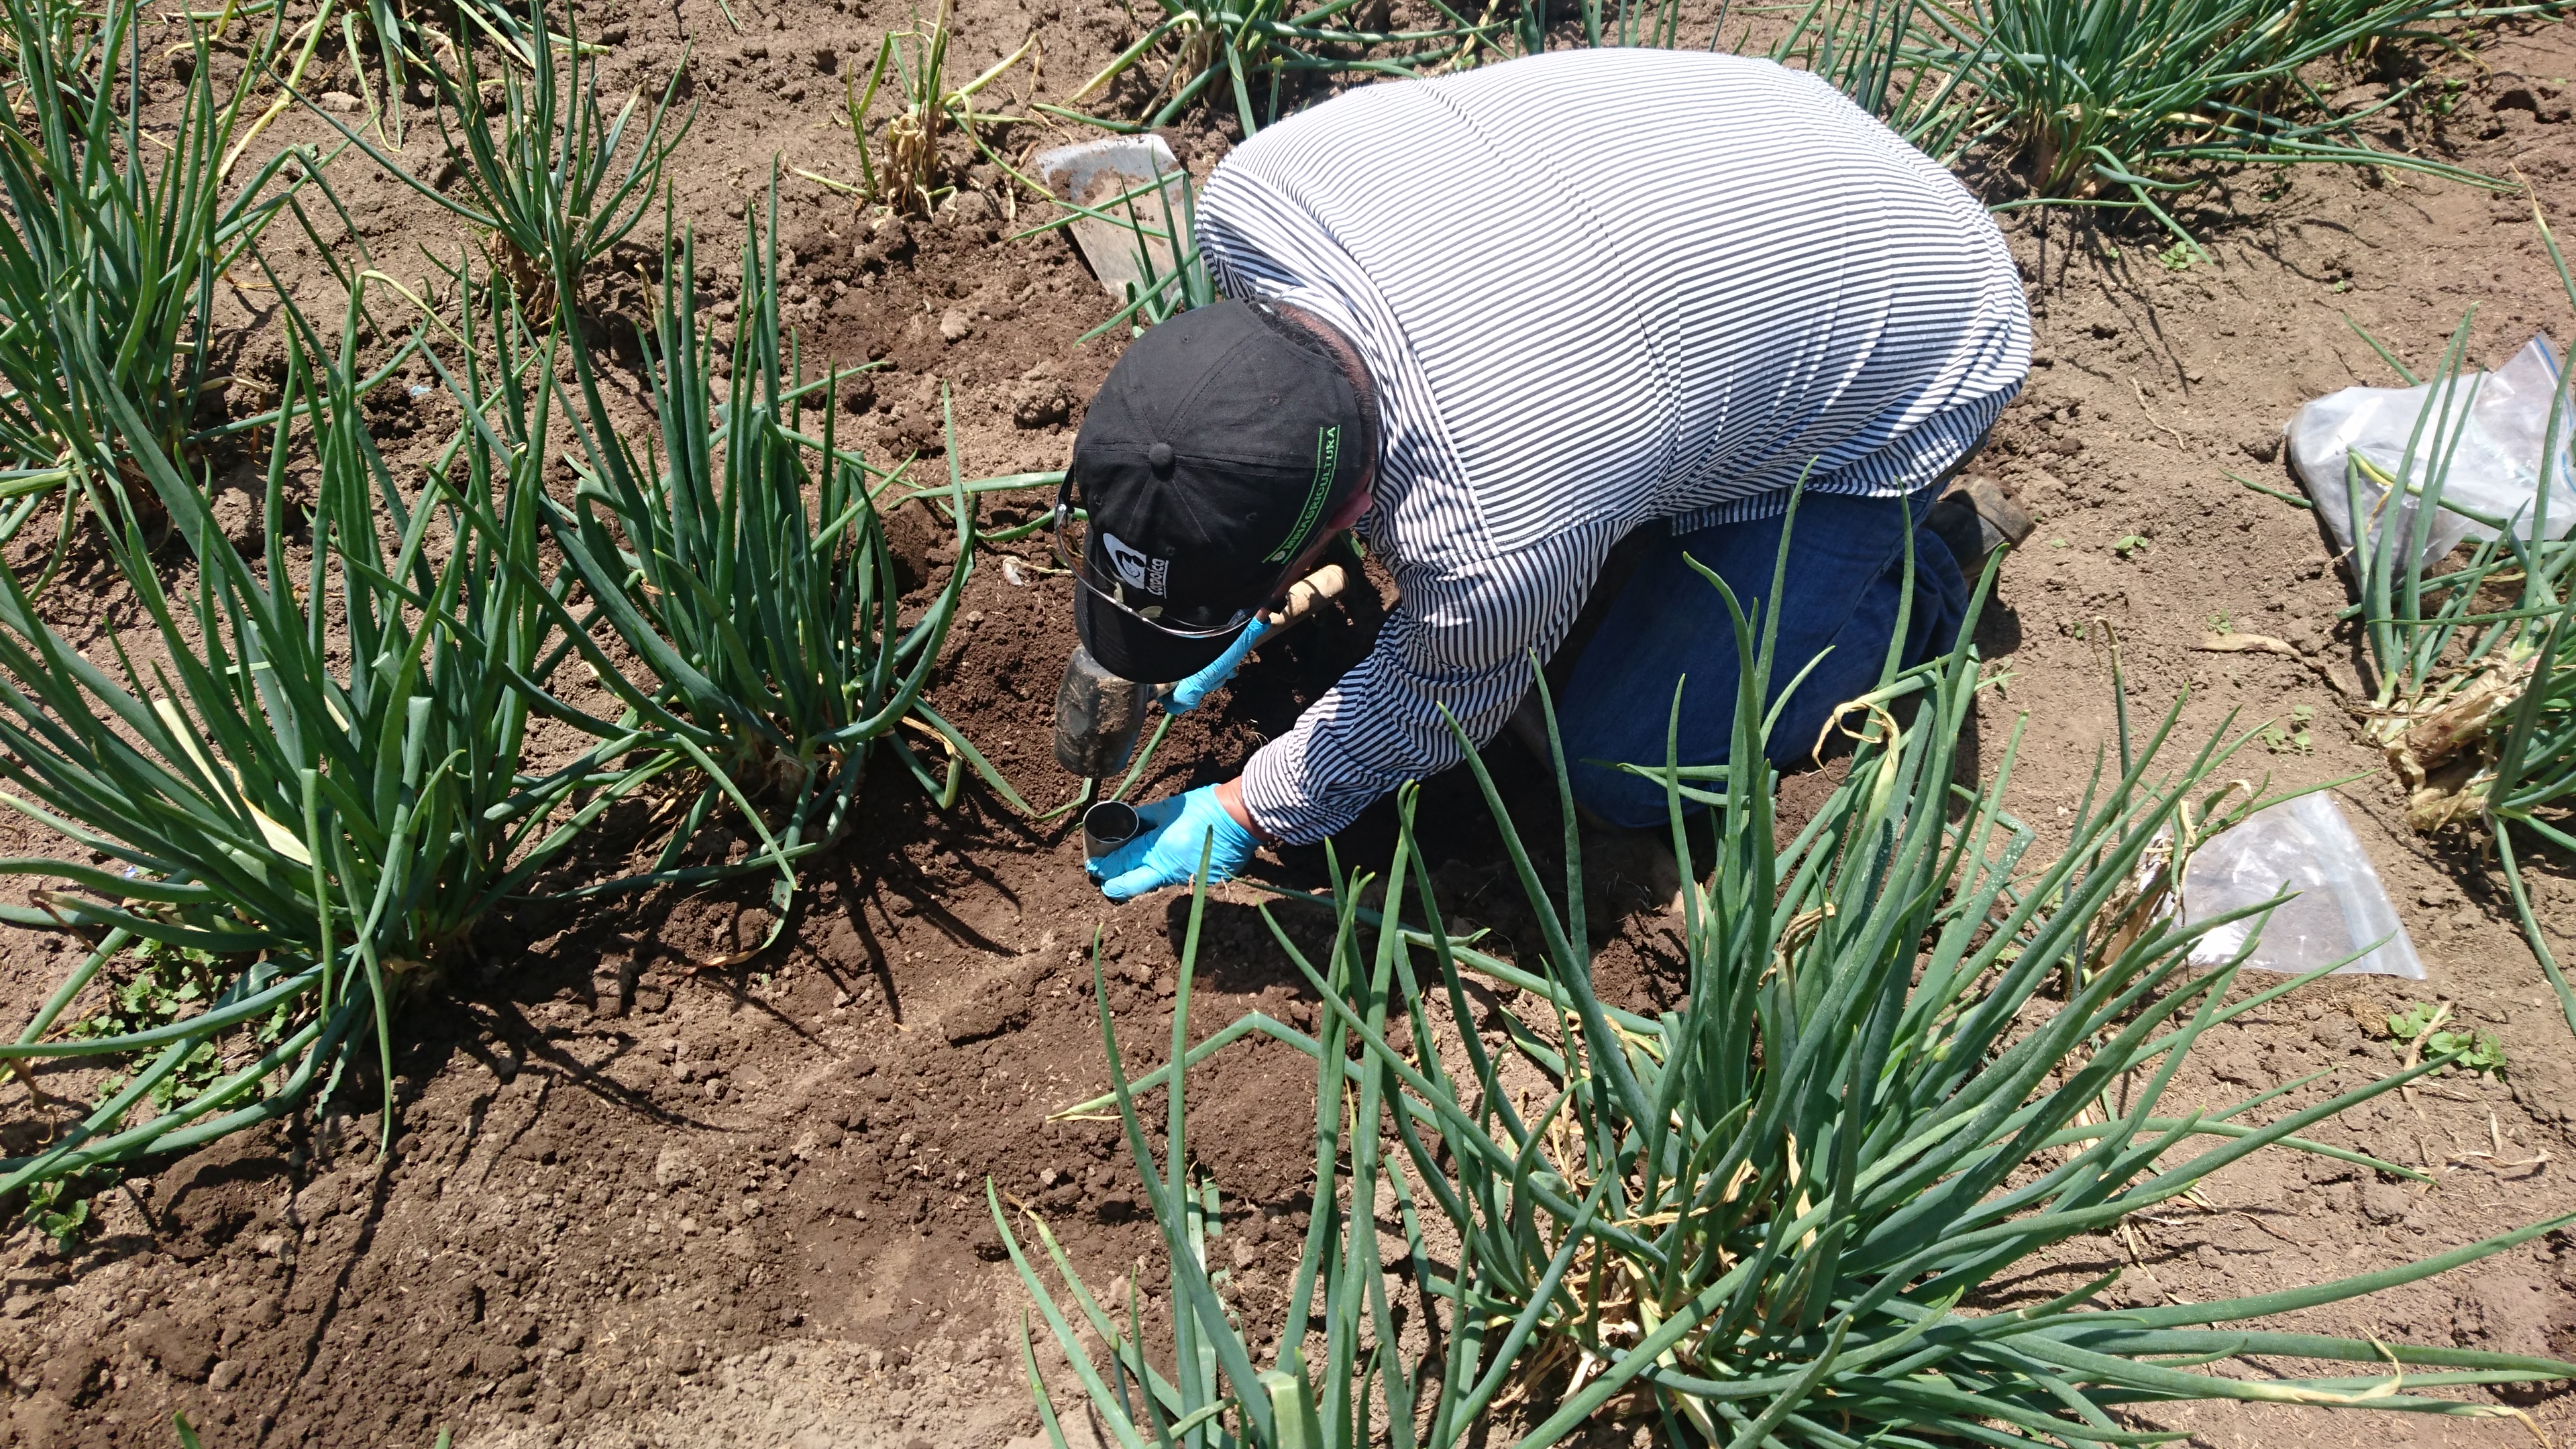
{"x": 1185, "y": 696}
{"x": 1166, "y": 850}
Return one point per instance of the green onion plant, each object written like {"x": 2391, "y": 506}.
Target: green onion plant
{"x": 400, "y": 40}
{"x": 2451, "y": 649}
{"x": 1872, "y": 51}
{"x": 907, "y": 177}
{"x": 2473, "y": 660}
{"x": 1212, "y": 1392}
{"x": 1163, "y": 289}
{"x": 1867, "y": 50}
{"x": 743, "y": 562}
{"x": 401, "y": 37}
{"x": 1240, "y": 49}
{"x": 306, "y": 776}
{"x": 2116, "y": 104}
{"x": 543, "y": 176}
{"x": 2097, "y": 103}
{"x": 115, "y": 241}
{"x": 1799, "y": 1208}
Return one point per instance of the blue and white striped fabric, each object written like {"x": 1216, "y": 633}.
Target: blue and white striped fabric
{"x": 1597, "y": 289}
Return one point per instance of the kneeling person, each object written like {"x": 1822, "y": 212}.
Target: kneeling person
{"x": 1517, "y": 328}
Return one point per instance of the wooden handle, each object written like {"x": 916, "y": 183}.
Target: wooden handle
{"x": 1305, "y": 594}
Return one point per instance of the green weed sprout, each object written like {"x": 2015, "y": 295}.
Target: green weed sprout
{"x": 743, "y": 562}
{"x": 316, "y": 785}
{"x": 2419, "y": 1029}
{"x": 115, "y": 241}
{"x": 543, "y": 176}
{"x": 2290, "y": 735}
{"x": 1792, "y": 1209}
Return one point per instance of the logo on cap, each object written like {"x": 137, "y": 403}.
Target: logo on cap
{"x": 1328, "y": 461}
{"x": 1135, "y": 570}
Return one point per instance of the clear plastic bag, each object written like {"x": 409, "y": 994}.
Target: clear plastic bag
{"x": 2305, "y": 845}
{"x": 2494, "y": 468}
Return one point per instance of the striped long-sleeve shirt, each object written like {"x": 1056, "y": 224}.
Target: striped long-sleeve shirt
{"x": 1597, "y": 289}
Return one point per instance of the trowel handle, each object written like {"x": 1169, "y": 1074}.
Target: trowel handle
{"x": 1098, "y": 714}
{"x": 1306, "y": 594}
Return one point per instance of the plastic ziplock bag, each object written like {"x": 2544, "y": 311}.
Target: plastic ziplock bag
{"x": 2305, "y": 845}
{"x": 2494, "y": 463}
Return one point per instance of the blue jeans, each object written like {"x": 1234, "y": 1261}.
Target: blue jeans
{"x": 1845, "y": 575}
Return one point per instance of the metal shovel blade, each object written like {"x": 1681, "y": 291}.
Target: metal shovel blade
{"x": 1135, "y": 179}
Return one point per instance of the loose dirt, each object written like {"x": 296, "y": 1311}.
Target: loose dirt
{"x": 634, "y": 1201}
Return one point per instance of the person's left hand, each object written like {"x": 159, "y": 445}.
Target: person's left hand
{"x": 1165, "y": 851}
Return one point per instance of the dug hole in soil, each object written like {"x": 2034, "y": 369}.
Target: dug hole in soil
{"x": 633, "y": 1201}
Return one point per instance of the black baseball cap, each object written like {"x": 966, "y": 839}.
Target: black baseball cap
{"x": 1220, "y": 443}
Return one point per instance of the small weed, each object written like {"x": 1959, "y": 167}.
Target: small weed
{"x": 2128, "y": 543}
{"x": 2420, "y": 1027}
{"x": 2059, "y": 543}
{"x": 2341, "y": 286}
{"x": 2290, "y": 737}
{"x": 2222, "y": 621}
{"x": 175, "y": 983}
{"x": 2180, "y": 257}
{"x": 58, "y": 1209}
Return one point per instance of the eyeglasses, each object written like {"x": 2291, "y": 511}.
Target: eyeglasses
{"x": 1072, "y": 549}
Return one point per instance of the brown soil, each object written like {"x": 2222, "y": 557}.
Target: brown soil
{"x": 630, "y": 1201}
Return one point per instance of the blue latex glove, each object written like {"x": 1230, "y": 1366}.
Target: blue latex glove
{"x": 1185, "y": 696}
{"x": 1166, "y": 851}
